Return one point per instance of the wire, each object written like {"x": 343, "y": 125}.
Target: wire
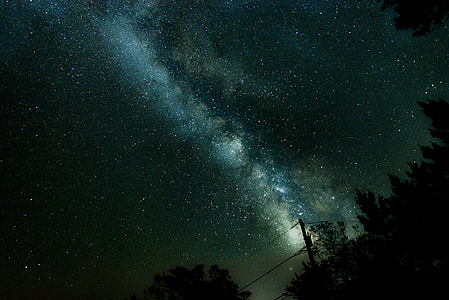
{"x": 272, "y": 269}
{"x": 281, "y": 235}
{"x": 331, "y": 221}
{"x": 282, "y": 296}
{"x": 267, "y": 244}
{"x": 284, "y": 233}
{"x": 302, "y": 250}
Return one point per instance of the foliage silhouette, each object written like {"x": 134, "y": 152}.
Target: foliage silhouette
{"x": 422, "y": 16}
{"x": 413, "y": 218}
{"x": 321, "y": 282}
{"x": 183, "y": 284}
{"x": 402, "y": 252}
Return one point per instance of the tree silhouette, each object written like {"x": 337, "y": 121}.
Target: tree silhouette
{"x": 413, "y": 218}
{"x": 334, "y": 260}
{"x": 404, "y": 231}
{"x": 183, "y": 284}
{"x": 408, "y": 226}
{"x": 402, "y": 253}
{"x": 422, "y": 16}
{"x": 329, "y": 237}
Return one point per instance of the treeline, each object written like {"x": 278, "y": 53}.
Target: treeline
{"x": 400, "y": 254}
{"x": 183, "y": 284}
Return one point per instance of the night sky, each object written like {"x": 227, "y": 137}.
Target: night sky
{"x": 141, "y": 135}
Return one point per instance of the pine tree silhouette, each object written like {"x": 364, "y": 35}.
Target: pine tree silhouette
{"x": 407, "y": 229}
{"x": 402, "y": 254}
{"x": 413, "y": 218}
{"x": 422, "y": 16}
{"x": 184, "y": 284}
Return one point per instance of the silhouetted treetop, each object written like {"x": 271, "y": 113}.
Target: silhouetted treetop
{"x": 184, "y": 284}
{"x": 422, "y": 16}
{"x": 402, "y": 253}
{"x": 414, "y": 216}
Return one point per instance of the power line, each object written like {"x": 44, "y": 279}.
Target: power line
{"x": 282, "y": 297}
{"x": 267, "y": 244}
{"x": 272, "y": 269}
{"x": 281, "y": 235}
{"x": 302, "y": 250}
{"x": 284, "y": 233}
{"x": 331, "y": 221}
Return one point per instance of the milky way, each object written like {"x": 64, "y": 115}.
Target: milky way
{"x": 275, "y": 189}
{"x": 262, "y": 184}
{"x": 141, "y": 135}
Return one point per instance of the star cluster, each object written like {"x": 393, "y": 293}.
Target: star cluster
{"x": 140, "y": 135}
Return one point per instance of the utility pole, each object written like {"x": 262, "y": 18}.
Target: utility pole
{"x": 308, "y": 242}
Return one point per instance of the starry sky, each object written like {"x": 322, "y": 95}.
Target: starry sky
{"x": 141, "y": 135}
